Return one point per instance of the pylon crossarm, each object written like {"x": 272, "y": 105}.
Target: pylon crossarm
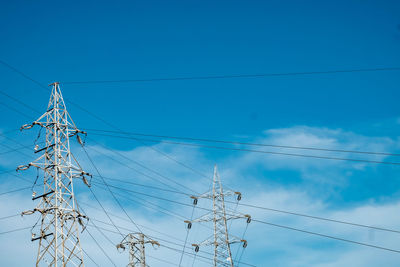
{"x": 204, "y": 218}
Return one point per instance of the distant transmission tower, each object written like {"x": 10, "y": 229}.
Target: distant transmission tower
{"x": 136, "y": 243}
{"x": 57, "y": 230}
{"x": 221, "y": 240}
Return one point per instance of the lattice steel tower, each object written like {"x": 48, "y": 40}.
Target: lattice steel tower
{"x": 221, "y": 240}
{"x": 136, "y": 243}
{"x": 57, "y": 229}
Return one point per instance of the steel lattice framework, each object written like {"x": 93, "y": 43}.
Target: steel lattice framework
{"x": 221, "y": 239}
{"x": 57, "y": 229}
{"x": 136, "y": 243}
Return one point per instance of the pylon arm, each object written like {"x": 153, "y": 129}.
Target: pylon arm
{"x": 40, "y": 237}
{"x": 209, "y": 195}
{"x": 44, "y": 148}
{"x": 44, "y": 195}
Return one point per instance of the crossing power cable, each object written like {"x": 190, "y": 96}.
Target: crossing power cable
{"x": 243, "y": 143}
{"x": 276, "y": 210}
{"x": 326, "y": 236}
{"x": 166, "y": 241}
{"x": 95, "y": 116}
{"x": 15, "y": 230}
{"x": 256, "y": 151}
{"x": 123, "y": 219}
{"x": 4, "y": 63}
{"x": 240, "y": 204}
{"x": 101, "y": 248}
{"x": 161, "y": 244}
{"x": 112, "y": 194}
{"x": 235, "y": 76}
{"x": 317, "y": 217}
{"x": 161, "y": 209}
{"x": 100, "y": 119}
{"x": 95, "y": 263}
{"x": 10, "y": 216}
{"x": 141, "y": 165}
{"x": 15, "y": 190}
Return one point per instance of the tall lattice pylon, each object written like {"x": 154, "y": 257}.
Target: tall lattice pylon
{"x": 221, "y": 240}
{"x": 136, "y": 243}
{"x": 57, "y": 229}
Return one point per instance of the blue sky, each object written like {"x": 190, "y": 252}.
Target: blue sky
{"x": 99, "y": 40}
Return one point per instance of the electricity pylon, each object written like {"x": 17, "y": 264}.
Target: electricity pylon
{"x": 221, "y": 239}
{"x": 136, "y": 243}
{"x": 58, "y": 233}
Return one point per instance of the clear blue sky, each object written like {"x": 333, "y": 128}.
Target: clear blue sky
{"x": 103, "y": 40}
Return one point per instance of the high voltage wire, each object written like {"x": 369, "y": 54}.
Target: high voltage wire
{"x": 265, "y": 208}
{"x": 15, "y": 190}
{"x": 10, "y": 216}
{"x": 96, "y": 117}
{"x": 123, "y": 219}
{"x": 114, "y": 197}
{"x": 166, "y": 241}
{"x": 161, "y": 209}
{"x": 162, "y": 245}
{"x": 326, "y": 236}
{"x": 277, "y": 210}
{"x": 143, "y": 166}
{"x": 112, "y": 243}
{"x": 95, "y": 263}
{"x": 260, "y": 75}
{"x": 253, "y": 151}
{"x": 317, "y": 217}
{"x": 238, "y": 203}
{"x": 20, "y": 102}
{"x": 323, "y": 235}
{"x": 246, "y": 143}
{"x": 15, "y": 230}
{"x": 101, "y": 248}
{"x": 243, "y": 76}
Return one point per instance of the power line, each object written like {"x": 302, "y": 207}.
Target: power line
{"x": 112, "y": 194}
{"x": 15, "y": 110}
{"x": 231, "y": 202}
{"x": 121, "y": 218}
{"x": 20, "y": 73}
{"x": 20, "y": 102}
{"x": 254, "y": 151}
{"x": 327, "y": 236}
{"x": 10, "y": 216}
{"x": 90, "y": 258}
{"x": 15, "y": 190}
{"x": 318, "y": 218}
{"x": 245, "y": 143}
{"x": 15, "y": 230}
{"x": 163, "y": 240}
{"x": 162, "y": 245}
{"x": 97, "y": 117}
{"x": 269, "y": 209}
{"x": 143, "y": 166}
{"x": 104, "y": 252}
{"x": 260, "y": 75}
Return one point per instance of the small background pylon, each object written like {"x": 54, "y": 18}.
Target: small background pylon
{"x": 136, "y": 242}
{"x": 221, "y": 240}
